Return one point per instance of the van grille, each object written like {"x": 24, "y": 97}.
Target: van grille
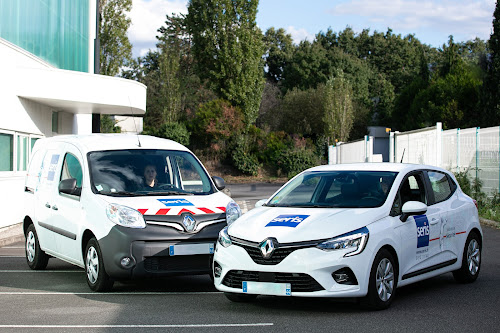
{"x": 163, "y": 264}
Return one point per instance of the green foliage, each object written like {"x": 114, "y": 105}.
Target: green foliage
{"x": 243, "y": 159}
{"x": 228, "y": 48}
{"x": 292, "y": 161}
{"x": 115, "y": 47}
{"x": 108, "y": 125}
{"x": 171, "y": 130}
{"x": 280, "y": 48}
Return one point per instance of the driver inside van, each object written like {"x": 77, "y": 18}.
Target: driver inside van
{"x": 150, "y": 180}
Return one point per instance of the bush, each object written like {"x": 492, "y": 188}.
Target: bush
{"x": 243, "y": 160}
{"x": 173, "y": 131}
{"x": 293, "y": 161}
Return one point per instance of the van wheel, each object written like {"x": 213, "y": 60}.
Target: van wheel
{"x": 97, "y": 278}
{"x": 383, "y": 282}
{"x": 471, "y": 260}
{"x": 36, "y": 258}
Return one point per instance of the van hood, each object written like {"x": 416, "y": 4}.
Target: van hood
{"x": 174, "y": 205}
{"x": 290, "y": 225}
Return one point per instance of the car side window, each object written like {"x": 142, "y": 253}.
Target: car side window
{"x": 440, "y": 186}
{"x": 72, "y": 169}
{"x": 412, "y": 189}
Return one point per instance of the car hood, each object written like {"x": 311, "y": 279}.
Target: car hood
{"x": 290, "y": 225}
{"x": 174, "y": 205}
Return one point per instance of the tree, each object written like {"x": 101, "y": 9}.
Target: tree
{"x": 280, "y": 48}
{"x": 116, "y": 49}
{"x": 338, "y": 108}
{"x": 491, "y": 87}
{"x": 228, "y": 47}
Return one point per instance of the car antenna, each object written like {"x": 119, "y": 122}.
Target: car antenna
{"x": 133, "y": 119}
{"x": 402, "y": 156}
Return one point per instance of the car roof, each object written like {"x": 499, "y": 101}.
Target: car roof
{"x": 116, "y": 141}
{"x": 377, "y": 166}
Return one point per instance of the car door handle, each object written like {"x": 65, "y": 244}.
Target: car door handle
{"x": 47, "y": 205}
{"x": 434, "y": 221}
{"x": 55, "y": 207}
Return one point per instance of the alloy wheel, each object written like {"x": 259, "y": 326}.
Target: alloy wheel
{"x": 385, "y": 279}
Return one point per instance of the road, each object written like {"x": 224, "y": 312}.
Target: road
{"x": 58, "y": 300}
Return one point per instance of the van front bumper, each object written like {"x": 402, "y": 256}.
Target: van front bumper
{"x": 135, "y": 253}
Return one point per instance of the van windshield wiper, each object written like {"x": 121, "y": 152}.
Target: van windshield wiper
{"x": 122, "y": 194}
{"x": 153, "y": 193}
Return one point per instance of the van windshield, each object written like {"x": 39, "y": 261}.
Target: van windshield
{"x": 147, "y": 172}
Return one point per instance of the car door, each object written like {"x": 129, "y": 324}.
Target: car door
{"x": 446, "y": 200}
{"x": 69, "y": 215}
{"x": 419, "y": 235}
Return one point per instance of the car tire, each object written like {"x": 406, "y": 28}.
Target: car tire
{"x": 36, "y": 258}
{"x": 382, "y": 283}
{"x": 240, "y": 298}
{"x": 97, "y": 278}
{"x": 471, "y": 260}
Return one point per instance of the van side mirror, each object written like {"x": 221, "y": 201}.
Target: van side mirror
{"x": 411, "y": 208}
{"x": 68, "y": 186}
{"x": 219, "y": 183}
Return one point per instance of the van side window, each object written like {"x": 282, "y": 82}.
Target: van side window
{"x": 72, "y": 169}
{"x": 440, "y": 186}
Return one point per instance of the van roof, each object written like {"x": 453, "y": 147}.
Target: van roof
{"x": 116, "y": 141}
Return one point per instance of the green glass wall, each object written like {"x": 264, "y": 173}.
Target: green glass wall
{"x": 55, "y": 30}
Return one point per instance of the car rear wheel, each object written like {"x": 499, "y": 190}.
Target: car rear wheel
{"x": 97, "y": 279}
{"x": 240, "y": 298}
{"x": 36, "y": 258}
{"x": 471, "y": 260}
{"x": 382, "y": 283}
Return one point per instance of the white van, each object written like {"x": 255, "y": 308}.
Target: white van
{"x": 122, "y": 206}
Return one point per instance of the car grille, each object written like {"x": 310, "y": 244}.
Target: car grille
{"x": 299, "y": 282}
{"x": 278, "y": 254}
{"x": 175, "y": 264}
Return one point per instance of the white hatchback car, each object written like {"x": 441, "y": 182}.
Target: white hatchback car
{"x": 351, "y": 230}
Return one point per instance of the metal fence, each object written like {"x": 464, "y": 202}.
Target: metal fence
{"x": 474, "y": 150}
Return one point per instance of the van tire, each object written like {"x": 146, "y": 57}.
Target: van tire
{"x": 35, "y": 257}
{"x": 97, "y": 278}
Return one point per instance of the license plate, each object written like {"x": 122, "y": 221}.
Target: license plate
{"x": 191, "y": 249}
{"x": 267, "y": 288}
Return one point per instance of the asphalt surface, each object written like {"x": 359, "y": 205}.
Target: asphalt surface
{"x": 58, "y": 300}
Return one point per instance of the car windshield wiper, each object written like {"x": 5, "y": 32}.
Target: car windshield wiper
{"x": 122, "y": 194}
{"x": 276, "y": 205}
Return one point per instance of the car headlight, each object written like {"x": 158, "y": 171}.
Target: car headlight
{"x": 125, "y": 216}
{"x": 224, "y": 238}
{"x": 233, "y": 211}
{"x": 355, "y": 241}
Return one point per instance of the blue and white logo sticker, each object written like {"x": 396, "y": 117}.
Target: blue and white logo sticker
{"x": 287, "y": 221}
{"x": 423, "y": 231}
{"x": 175, "y": 202}
{"x": 52, "y": 167}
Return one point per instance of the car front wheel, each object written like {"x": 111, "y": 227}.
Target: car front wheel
{"x": 36, "y": 258}
{"x": 471, "y": 260}
{"x": 383, "y": 282}
{"x": 97, "y": 279}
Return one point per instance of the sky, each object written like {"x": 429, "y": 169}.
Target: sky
{"x": 431, "y": 21}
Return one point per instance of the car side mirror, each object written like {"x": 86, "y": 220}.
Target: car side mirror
{"x": 219, "y": 183}
{"x": 67, "y": 186}
{"x": 411, "y": 208}
{"x": 260, "y": 203}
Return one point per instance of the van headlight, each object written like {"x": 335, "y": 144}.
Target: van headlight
{"x": 233, "y": 211}
{"x": 224, "y": 238}
{"x": 125, "y": 216}
{"x": 354, "y": 241}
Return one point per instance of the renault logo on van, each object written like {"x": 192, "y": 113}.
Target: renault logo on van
{"x": 267, "y": 248}
{"x": 189, "y": 222}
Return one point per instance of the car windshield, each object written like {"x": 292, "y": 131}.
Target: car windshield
{"x": 342, "y": 189}
{"x": 147, "y": 172}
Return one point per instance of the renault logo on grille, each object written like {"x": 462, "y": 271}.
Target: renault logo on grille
{"x": 189, "y": 222}
{"x": 267, "y": 248}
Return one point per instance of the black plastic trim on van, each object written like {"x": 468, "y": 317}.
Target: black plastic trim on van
{"x": 58, "y": 230}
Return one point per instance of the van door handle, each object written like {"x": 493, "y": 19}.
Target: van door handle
{"x": 47, "y": 205}
{"x": 55, "y": 207}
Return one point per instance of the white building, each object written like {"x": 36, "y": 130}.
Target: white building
{"x": 47, "y": 86}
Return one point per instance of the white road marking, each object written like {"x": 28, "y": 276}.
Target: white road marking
{"x": 37, "y": 272}
{"x": 138, "y": 326}
{"x": 107, "y": 294}
{"x": 12, "y": 256}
